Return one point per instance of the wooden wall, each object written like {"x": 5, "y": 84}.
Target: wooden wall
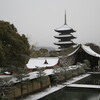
{"x": 29, "y": 87}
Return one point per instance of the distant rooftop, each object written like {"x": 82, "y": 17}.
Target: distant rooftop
{"x": 40, "y": 62}
{"x": 65, "y": 42}
{"x": 69, "y": 35}
{"x": 63, "y": 28}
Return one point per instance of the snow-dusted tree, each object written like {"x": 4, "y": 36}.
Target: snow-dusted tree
{"x": 6, "y": 89}
{"x": 22, "y": 78}
{"x": 65, "y": 66}
{"x": 64, "y": 59}
{"x": 80, "y": 68}
{"x": 87, "y": 62}
{"x": 41, "y": 76}
{"x": 57, "y": 73}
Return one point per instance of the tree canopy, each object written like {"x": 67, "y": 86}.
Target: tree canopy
{"x": 14, "y": 48}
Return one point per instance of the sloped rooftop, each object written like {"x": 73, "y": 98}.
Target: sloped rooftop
{"x": 40, "y": 62}
{"x": 63, "y": 28}
{"x": 87, "y": 49}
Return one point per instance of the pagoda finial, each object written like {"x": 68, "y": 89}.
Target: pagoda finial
{"x": 65, "y": 17}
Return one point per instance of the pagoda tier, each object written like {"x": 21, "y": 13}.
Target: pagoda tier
{"x": 65, "y": 28}
{"x": 65, "y": 37}
{"x": 64, "y": 44}
{"x": 68, "y": 36}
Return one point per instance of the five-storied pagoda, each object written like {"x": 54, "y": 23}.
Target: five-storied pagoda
{"x": 65, "y": 37}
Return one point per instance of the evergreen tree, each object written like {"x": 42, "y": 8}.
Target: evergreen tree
{"x": 57, "y": 71}
{"x": 53, "y": 53}
{"x": 43, "y": 52}
{"x": 14, "y": 48}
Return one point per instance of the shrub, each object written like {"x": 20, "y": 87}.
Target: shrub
{"x": 87, "y": 62}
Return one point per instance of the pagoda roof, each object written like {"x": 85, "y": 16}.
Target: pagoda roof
{"x": 65, "y": 27}
{"x": 65, "y": 42}
{"x": 66, "y": 36}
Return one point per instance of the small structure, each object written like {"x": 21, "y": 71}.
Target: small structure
{"x": 84, "y": 52}
{"x": 65, "y": 36}
{"x": 45, "y": 62}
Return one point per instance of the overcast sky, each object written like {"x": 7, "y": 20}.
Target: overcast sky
{"x": 37, "y": 19}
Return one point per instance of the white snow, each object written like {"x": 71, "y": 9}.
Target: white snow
{"x": 54, "y": 88}
{"x": 5, "y": 76}
{"x": 63, "y": 28}
{"x": 40, "y": 62}
{"x": 63, "y": 36}
{"x": 45, "y": 92}
{"x": 67, "y": 42}
{"x": 84, "y": 86}
{"x": 88, "y": 50}
{"x": 77, "y": 79}
{"x": 33, "y": 75}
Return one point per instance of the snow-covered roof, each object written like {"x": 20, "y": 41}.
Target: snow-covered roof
{"x": 40, "y": 62}
{"x": 88, "y": 50}
{"x": 69, "y": 35}
{"x": 63, "y": 28}
{"x": 66, "y": 42}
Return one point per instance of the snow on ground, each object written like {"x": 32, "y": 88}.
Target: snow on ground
{"x": 33, "y": 75}
{"x": 77, "y": 79}
{"x": 54, "y": 88}
{"x": 45, "y": 92}
{"x": 84, "y": 86}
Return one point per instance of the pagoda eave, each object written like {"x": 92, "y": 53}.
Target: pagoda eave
{"x": 70, "y": 30}
{"x": 64, "y": 43}
{"x": 60, "y": 37}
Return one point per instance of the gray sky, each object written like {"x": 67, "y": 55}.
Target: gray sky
{"x": 37, "y": 19}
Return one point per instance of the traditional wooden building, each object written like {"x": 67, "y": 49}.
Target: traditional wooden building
{"x": 42, "y": 62}
{"x": 84, "y": 52}
{"x": 65, "y": 37}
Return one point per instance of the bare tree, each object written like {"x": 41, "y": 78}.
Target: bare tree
{"x": 41, "y": 76}
{"x": 22, "y": 78}
{"x": 6, "y": 88}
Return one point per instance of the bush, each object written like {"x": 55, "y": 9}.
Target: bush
{"x": 68, "y": 74}
{"x": 74, "y": 72}
{"x": 87, "y": 62}
{"x": 80, "y": 70}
